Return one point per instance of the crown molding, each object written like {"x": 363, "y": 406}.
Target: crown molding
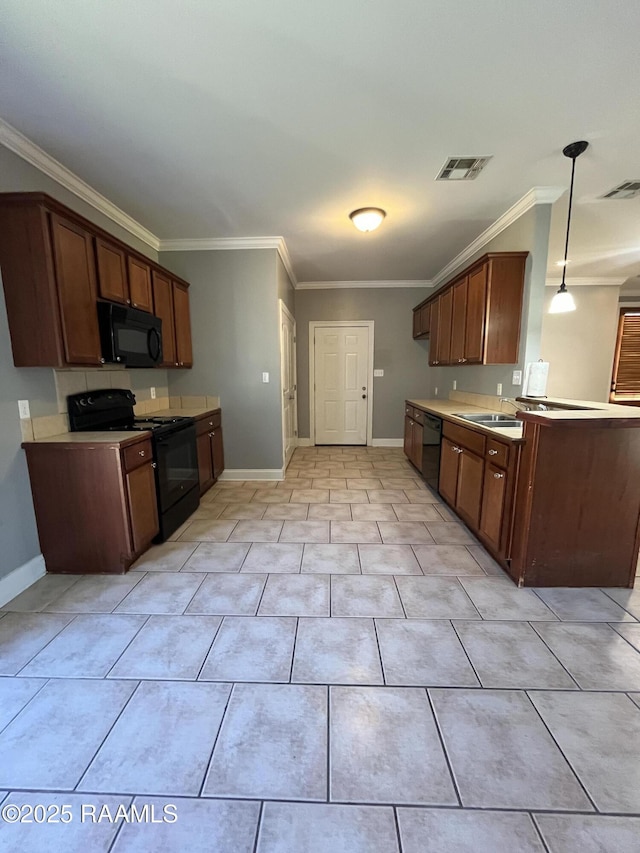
{"x": 587, "y": 281}
{"x": 536, "y": 195}
{"x": 32, "y": 153}
{"x": 204, "y": 244}
{"x": 332, "y": 285}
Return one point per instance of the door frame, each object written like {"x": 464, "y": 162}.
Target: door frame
{"x": 284, "y": 311}
{"x": 313, "y": 325}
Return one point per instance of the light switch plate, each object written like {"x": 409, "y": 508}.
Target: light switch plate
{"x": 378, "y": 372}
{"x": 499, "y": 389}
{"x": 23, "y": 408}
{"x": 153, "y": 393}
{"x": 517, "y": 377}
{"x": 455, "y": 384}
{"x": 435, "y": 393}
{"x": 265, "y": 377}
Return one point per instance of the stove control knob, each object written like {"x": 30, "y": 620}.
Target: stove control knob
{"x": 90, "y": 401}
{"x": 83, "y": 401}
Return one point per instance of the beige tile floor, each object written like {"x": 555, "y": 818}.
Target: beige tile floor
{"x": 330, "y": 663}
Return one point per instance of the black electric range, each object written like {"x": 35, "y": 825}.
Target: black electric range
{"x": 174, "y": 448}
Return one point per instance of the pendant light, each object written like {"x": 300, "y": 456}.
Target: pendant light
{"x": 563, "y": 300}
{"x": 367, "y": 218}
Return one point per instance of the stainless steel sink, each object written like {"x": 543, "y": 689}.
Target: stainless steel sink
{"x": 489, "y": 420}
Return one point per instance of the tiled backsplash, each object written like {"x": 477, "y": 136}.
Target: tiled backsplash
{"x": 484, "y": 401}
{"x": 138, "y": 381}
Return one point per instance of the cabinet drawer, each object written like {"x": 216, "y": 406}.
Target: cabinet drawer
{"x": 409, "y": 411}
{"x": 209, "y": 422}
{"x": 418, "y": 416}
{"x": 497, "y": 453}
{"x": 137, "y": 454}
{"x": 466, "y": 437}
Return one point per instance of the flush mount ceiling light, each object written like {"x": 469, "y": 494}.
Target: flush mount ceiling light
{"x": 367, "y": 218}
{"x": 563, "y": 300}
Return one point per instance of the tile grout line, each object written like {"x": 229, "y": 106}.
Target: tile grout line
{"x": 546, "y": 645}
{"x": 382, "y": 670}
{"x": 604, "y": 590}
{"x": 148, "y": 617}
{"x": 120, "y": 827}
{"x": 395, "y": 583}
{"x": 216, "y": 738}
{"x": 26, "y": 704}
{"x": 464, "y": 649}
{"x": 533, "y": 820}
{"x": 48, "y": 643}
{"x": 256, "y": 839}
{"x": 293, "y": 650}
{"x": 264, "y": 588}
{"x": 208, "y": 652}
{"x": 444, "y": 747}
{"x": 328, "y": 800}
{"x": 396, "y": 821}
{"x": 104, "y": 739}
{"x": 561, "y": 751}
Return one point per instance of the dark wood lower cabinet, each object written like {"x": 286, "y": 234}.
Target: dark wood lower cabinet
{"x": 469, "y": 493}
{"x": 413, "y": 442}
{"x": 95, "y": 503}
{"x": 494, "y": 501}
{"x": 143, "y": 507}
{"x": 210, "y": 448}
{"x": 448, "y": 483}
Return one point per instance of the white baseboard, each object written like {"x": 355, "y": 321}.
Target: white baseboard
{"x": 304, "y": 442}
{"x": 252, "y": 474}
{"x": 387, "y": 442}
{"x": 21, "y": 578}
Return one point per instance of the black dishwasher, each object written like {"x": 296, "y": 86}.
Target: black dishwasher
{"x": 431, "y": 438}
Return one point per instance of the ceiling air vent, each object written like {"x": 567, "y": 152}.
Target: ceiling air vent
{"x": 462, "y": 168}
{"x": 627, "y": 189}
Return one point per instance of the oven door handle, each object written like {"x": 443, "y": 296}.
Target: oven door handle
{"x": 155, "y": 348}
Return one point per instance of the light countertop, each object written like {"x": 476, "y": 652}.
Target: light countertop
{"x": 449, "y": 409}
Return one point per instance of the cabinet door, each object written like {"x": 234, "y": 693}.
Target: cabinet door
{"x": 217, "y": 451}
{"x": 74, "y": 262}
{"x": 143, "y": 507}
{"x": 416, "y": 323}
{"x": 434, "y": 326}
{"x": 476, "y": 300}
{"x": 408, "y": 437}
{"x": 444, "y": 327}
{"x": 163, "y": 308}
{"x": 140, "y": 285}
{"x": 112, "y": 272}
{"x": 469, "y": 495}
{"x": 449, "y": 459}
{"x": 205, "y": 461}
{"x": 183, "y": 324}
{"x": 425, "y": 319}
{"x": 493, "y": 504}
{"x": 458, "y": 322}
{"x": 416, "y": 446}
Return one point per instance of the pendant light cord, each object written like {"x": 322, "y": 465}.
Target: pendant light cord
{"x": 566, "y": 243}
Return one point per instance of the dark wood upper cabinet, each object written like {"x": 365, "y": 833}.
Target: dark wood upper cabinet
{"x": 476, "y": 318}
{"x": 112, "y": 272}
{"x": 458, "y": 322}
{"x": 163, "y": 308}
{"x": 183, "y": 324}
{"x": 475, "y": 313}
{"x": 56, "y": 265}
{"x": 76, "y": 279}
{"x": 140, "y": 284}
{"x": 444, "y": 326}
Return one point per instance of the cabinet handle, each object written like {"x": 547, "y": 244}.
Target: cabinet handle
{"x": 102, "y": 361}
{"x": 464, "y": 359}
{"x": 154, "y": 464}
{"x": 211, "y": 434}
{"x": 128, "y": 302}
{"x": 498, "y": 476}
{"x": 493, "y": 453}
{"x": 460, "y": 360}
{"x": 177, "y": 365}
{"x": 210, "y": 423}
{"x": 457, "y": 449}
{"x": 141, "y": 453}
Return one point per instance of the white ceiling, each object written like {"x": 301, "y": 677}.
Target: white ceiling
{"x": 240, "y": 118}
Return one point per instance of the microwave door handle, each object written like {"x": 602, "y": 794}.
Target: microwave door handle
{"x": 155, "y": 348}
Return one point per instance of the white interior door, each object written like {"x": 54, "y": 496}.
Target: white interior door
{"x": 341, "y": 367}
{"x": 288, "y": 381}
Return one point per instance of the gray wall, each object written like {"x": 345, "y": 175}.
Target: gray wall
{"x": 234, "y": 318}
{"x": 528, "y": 233}
{"x": 580, "y": 345}
{"x": 18, "y": 535}
{"x": 404, "y": 361}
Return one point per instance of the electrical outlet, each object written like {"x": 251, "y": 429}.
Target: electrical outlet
{"x": 499, "y": 389}
{"x": 265, "y": 377}
{"x": 455, "y": 384}
{"x": 153, "y": 393}
{"x": 23, "y": 408}
{"x": 378, "y": 372}
{"x": 436, "y": 391}
{"x": 517, "y": 377}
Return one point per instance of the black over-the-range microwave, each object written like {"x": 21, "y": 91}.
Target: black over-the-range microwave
{"x": 129, "y": 336}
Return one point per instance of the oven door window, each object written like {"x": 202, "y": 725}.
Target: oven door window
{"x": 177, "y": 466}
